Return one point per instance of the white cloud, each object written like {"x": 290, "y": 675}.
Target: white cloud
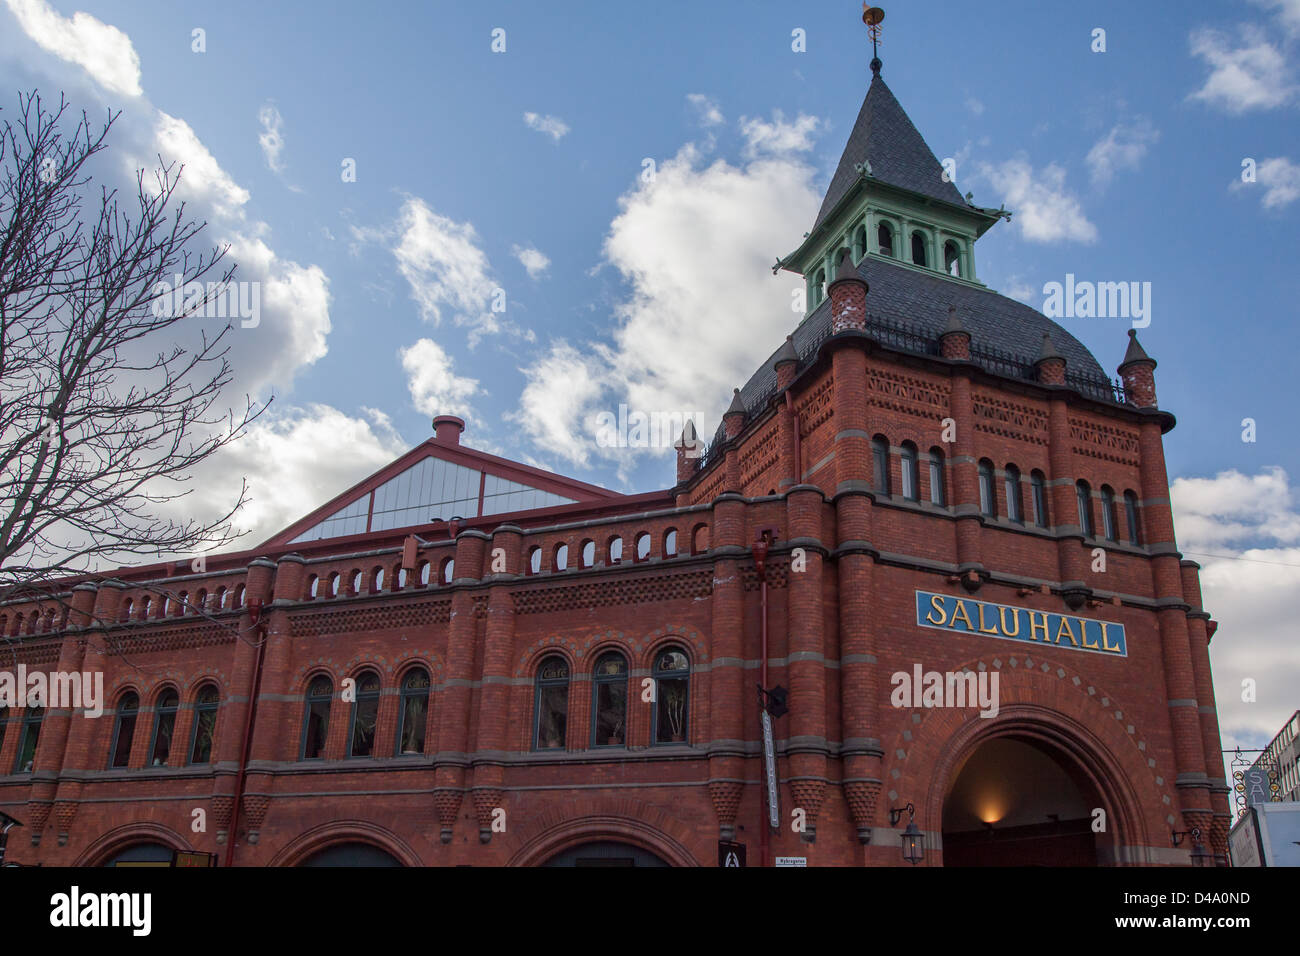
{"x": 706, "y": 109}
{"x": 1288, "y": 13}
{"x": 778, "y": 137}
{"x": 533, "y": 260}
{"x": 1278, "y": 177}
{"x": 552, "y": 126}
{"x": 1252, "y": 520}
{"x": 202, "y": 180}
{"x": 1122, "y": 148}
{"x": 1251, "y": 76}
{"x": 1041, "y": 205}
{"x": 974, "y": 105}
{"x": 1017, "y": 288}
{"x": 103, "y": 51}
{"x": 435, "y": 388}
{"x": 271, "y": 139}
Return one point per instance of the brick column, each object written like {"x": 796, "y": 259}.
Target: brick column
{"x": 806, "y": 748}
{"x": 1072, "y": 558}
{"x": 1211, "y": 742}
{"x": 732, "y": 700}
{"x": 68, "y": 755}
{"x": 965, "y": 481}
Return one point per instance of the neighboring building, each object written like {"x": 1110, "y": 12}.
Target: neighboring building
{"x": 926, "y": 477}
{"x": 1282, "y": 755}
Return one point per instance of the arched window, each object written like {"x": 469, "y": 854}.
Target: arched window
{"x": 125, "y": 613}
{"x": 144, "y": 607}
{"x": 31, "y": 735}
{"x": 609, "y": 701}
{"x": 551, "y": 713}
{"x": 700, "y": 539}
{"x": 365, "y": 715}
{"x": 449, "y": 571}
{"x": 588, "y": 553}
{"x": 880, "y": 464}
{"x": 642, "y": 546}
{"x": 316, "y": 717}
{"x": 128, "y": 709}
{"x": 354, "y": 588}
{"x": 670, "y": 543}
{"x": 534, "y": 560}
{"x": 1108, "y": 526}
{"x": 1011, "y": 485}
{"x": 239, "y": 597}
{"x": 221, "y": 599}
{"x": 424, "y": 573}
{"x": 164, "y": 723}
{"x": 402, "y": 577}
{"x": 614, "y": 550}
{"x": 414, "y": 713}
{"x": 859, "y": 242}
{"x": 1083, "y": 495}
{"x": 918, "y": 250}
{"x": 885, "y": 240}
{"x": 819, "y": 286}
{"x": 1131, "y": 513}
{"x": 201, "y": 601}
{"x": 376, "y": 580}
{"x": 672, "y": 677}
{"x": 313, "y": 588}
{"x": 988, "y": 497}
{"x": 1038, "y": 487}
{"x": 937, "y": 495}
{"x": 205, "y": 724}
{"x": 561, "y": 559}
{"x": 952, "y": 259}
{"x": 911, "y": 480}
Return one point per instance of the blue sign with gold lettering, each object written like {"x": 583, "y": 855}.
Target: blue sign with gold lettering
{"x": 948, "y": 613}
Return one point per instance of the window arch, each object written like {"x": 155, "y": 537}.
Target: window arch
{"x": 365, "y": 715}
{"x": 413, "y": 715}
{"x": 859, "y": 242}
{"x": 819, "y": 286}
{"x": 560, "y": 558}
{"x": 238, "y": 600}
{"x": 880, "y": 464}
{"x": 551, "y": 710}
{"x": 670, "y": 543}
{"x": 145, "y": 602}
{"x": 1011, "y": 485}
{"x": 614, "y": 550}
{"x": 1131, "y": 515}
{"x": 30, "y": 736}
{"x": 124, "y": 614}
{"x": 672, "y": 677}
{"x": 700, "y": 539}
{"x": 937, "y": 494}
{"x": 918, "y": 250}
{"x": 952, "y": 259}
{"x": 988, "y": 496}
{"x": 1083, "y": 497}
{"x": 316, "y": 717}
{"x": 164, "y": 724}
{"x": 221, "y": 599}
{"x": 201, "y": 601}
{"x": 354, "y": 582}
{"x": 128, "y": 710}
{"x": 448, "y": 571}
{"x": 643, "y": 546}
{"x": 376, "y": 579}
{"x": 402, "y": 578}
{"x": 609, "y": 701}
{"x": 885, "y": 239}
{"x": 587, "y": 554}
{"x": 204, "y": 732}
{"x": 911, "y": 479}
{"x": 424, "y": 573}
{"x": 1038, "y": 489}
{"x": 1108, "y": 526}
{"x": 535, "y": 560}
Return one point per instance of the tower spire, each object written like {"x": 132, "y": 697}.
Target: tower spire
{"x": 872, "y": 16}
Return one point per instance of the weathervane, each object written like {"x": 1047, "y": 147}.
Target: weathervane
{"x": 872, "y": 16}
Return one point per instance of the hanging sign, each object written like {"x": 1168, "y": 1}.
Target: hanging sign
{"x": 945, "y": 612}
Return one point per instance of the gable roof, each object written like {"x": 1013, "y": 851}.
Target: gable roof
{"x": 435, "y": 481}
{"x": 885, "y": 137}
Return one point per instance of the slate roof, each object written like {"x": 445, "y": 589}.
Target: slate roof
{"x": 885, "y": 136}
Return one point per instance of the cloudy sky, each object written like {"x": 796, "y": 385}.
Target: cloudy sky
{"x": 526, "y": 219}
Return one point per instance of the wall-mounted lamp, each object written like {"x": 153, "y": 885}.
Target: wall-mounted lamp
{"x": 912, "y": 839}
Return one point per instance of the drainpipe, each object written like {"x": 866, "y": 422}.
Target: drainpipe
{"x": 259, "y": 632}
{"x": 760, "y": 563}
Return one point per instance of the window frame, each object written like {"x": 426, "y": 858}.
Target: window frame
{"x": 1038, "y": 496}
{"x": 988, "y": 491}
{"x": 598, "y": 681}
{"x": 118, "y": 716}
{"x": 540, "y": 683}
{"x": 199, "y": 708}
{"x": 377, "y": 696}
{"x": 1011, "y": 487}
{"x": 1083, "y": 505}
{"x": 407, "y": 693}
{"x": 160, "y": 711}
{"x": 309, "y": 700}
{"x": 658, "y": 674}
{"x": 909, "y": 472}
{"x": 938, "y": 479}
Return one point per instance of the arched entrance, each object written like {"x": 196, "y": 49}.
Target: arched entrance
{"x": 351, "y": 854}
{"x": 142, "y": 854}
{"x": 1016, "y": 800}
{"x": 605, "y": 853}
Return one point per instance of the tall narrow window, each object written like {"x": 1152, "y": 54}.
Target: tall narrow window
{"x": 820, "y": 285}
{"x": 365, "y": 715}
{"x": 1038, "y": 486}
{"x": 670, "y": 543}
{"x": 551, "y": 717}
{"x": 316, "y": 717}
{"x": 911, "y": 481}
{"x": 4, "y": 725}
{"x": 885, "y": 240}
{"x": 952, "y": 259}
{"x": 205, "y": 724}
{"x": 880, "y": 463}
{"x": 615, "y": 550}
{"x": 937, "y": 495}
{"x": 588, "y": 554}
{"x": 31, "y": 735}
{"x": 859, "y": 243}
{"x": 918, "y": 250}
{"x": 988, "y": 497}
{"x": 1108, "y": 526}
{"x": 642, "y": 546}
{"x": 1131, "y": 514}
{"x": 1083, "y": 496}
{"x": 560, "y": 561}
{"x": 164, "y": 723}
{"x": 609, "y": 701}
{"x": 1011, "y": 485}
{"x": 128, "y": 709}
{"x": 672, "y": 677}
{"x": 535, "y": 560}
{"x": 414, "y": 714}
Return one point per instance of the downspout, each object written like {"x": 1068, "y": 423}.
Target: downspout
{"x": 259, "y": 630}
{"x": 760, "y": 564}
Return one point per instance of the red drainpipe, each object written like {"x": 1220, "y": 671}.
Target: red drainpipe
{"x": 760, "y": 563}
{"x": 259, "y": 631}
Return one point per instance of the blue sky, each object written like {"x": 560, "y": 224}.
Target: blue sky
{"x": 473, "y": 166}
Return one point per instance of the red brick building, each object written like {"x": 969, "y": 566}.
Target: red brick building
{"x": 465, "y": 660}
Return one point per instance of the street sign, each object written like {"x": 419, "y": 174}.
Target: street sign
{"x": 731, "y": 854}
{"x": 792, "y": 861}
{"x": 769, "y": 758}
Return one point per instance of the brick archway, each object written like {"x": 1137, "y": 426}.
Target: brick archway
{"x": 323, "y": 837}
{"x": 638, "y": 824}
{"x": 127, "y": 835}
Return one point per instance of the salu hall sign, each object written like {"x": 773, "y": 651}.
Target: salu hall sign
{"x": 948, "y": 613}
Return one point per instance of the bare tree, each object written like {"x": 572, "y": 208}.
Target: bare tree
{"x": 104, "y": 412}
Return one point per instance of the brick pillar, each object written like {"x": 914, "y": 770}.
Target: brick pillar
{"x": 806, "y": 749}
{"x": 848, "y": 292}
{"x": 852, "y": 442}
{"x": 732, "y": 701}
{"x": 965, "y": 480}
{"x": 786, "y": 366}
{"x": 1211, "y": 743}
{"x": 732, "y": 423}
{"x": 1072, "y": 558}
{"x": 494, "y": 697}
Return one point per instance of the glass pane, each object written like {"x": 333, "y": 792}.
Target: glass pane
{"x": 122, "y": 743}
{"x": 611, "y": 665}
{"x": 162, "y": 746}
{"x": 27, "y": 748}
{"x": 672, "y": 660}
{"x": 366, "y": 716}
{"x": 318, "y": 721}
{"x": 204, "y": 729}
{"x": 611, "y": 712}
{"x": 415, "y": 708}
{"x": 554, "y": 668}
{"x": 670, "y": 708}
{"x": 552, "y": 716}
